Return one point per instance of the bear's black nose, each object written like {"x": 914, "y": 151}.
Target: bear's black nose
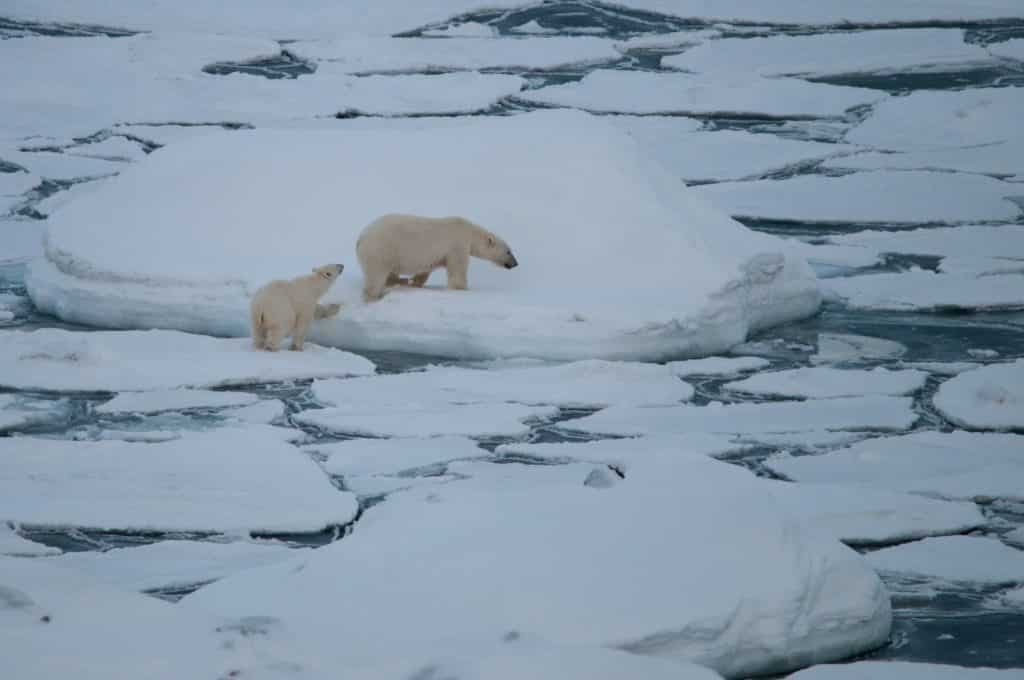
{"x": 511, "y": 263}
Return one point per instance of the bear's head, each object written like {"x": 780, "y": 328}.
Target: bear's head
{"x": 329, "y": 272}
{"x": 497, "y": 251}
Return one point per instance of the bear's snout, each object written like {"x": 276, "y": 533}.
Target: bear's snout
{"x": 511, "y": 262}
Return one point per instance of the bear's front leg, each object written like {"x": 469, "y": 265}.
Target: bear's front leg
{"x": 457, "y": 264}
{"x": 299, "y": 334}
{"x": 420, "y": 279}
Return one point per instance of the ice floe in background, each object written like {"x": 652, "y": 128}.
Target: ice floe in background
{"x": 825, "y": 382}
{"x": 973, "y": 559}
{"x": 366, "y": 457}
{"x": 989, "y": 398}
{"x": 174, "y": 400}
{"x": 614, "y": 297}
{"x": 927, "y": 291}
{"x": 427, "y": 420}
{"x": 837, "y": 348}
{"x": 901, "y": 670}
{"x": 625, "y": 453}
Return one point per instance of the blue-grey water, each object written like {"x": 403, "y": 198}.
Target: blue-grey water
{"x": 954, "y": 626}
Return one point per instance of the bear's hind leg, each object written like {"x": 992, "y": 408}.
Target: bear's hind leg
{"x": 373, "y": 286}
{"x": 420, "y": 279}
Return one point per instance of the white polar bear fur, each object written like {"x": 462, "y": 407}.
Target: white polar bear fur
{"x": 287, "y": 308}
{"x": 395, "y": 245}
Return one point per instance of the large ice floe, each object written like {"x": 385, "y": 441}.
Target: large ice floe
{"x": 902, "y": 670}
{"x": 989, "y": 398}
{"x": 824, "y": 382}
{"x": 956, "y": 465}
{"x": 126, "y": 256}
{"x": 477, "y": 561}
{"x": 976, "y": 559}
{"x": 923, "y": 290}
{"x": 232, "y": 479}
{"x": 114, "y": 361}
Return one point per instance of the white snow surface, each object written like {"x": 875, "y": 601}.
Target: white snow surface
{"x": 844, "y": 413}
{"x": 886, "y": 51}
{"x": 114, "y": 361}
{"x": 458, "y": 562}
{"x": 927, "y": 291}
{"x": 902, "y": 670}
{"x": 717, "y": 366}
{"x": 626, "y": 453}
{"x": 362, "y": 55}
{"x": 615, "y": 91}
{"x": 13, "y": 544}
{"x": 393, "y": 456}
{"x": 60, "y": 166}
{"x": 893, "y": 197}
{"x": 580, "y": 383}
{"x": 1010, "y": 49}
{"x": 823, "y": 382}
{"x": 103, "y": 268}
{"x": 989, "y": 398}
{"x": 1002, "y": 159}
{"x": 975, "y": 559}
{"x": 956, "y": 465}
{"x": 174, "y": 400}
{"x": 667, "y": 41}
{"x": 174, "y": 563}
{"x": 487, "y": 419}
{"x": 861, "y": 516}
{"x": 230, "y": 479}
{"x": 940, "y": 120}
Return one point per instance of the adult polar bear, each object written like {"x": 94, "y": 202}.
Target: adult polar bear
{"x": 396, "y": 245}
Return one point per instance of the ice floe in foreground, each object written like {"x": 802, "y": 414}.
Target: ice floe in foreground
{"x": 902, "y": 670}
{"x": 989, "y": 398}
{"x": 927, "y": 291}
{"x": 956, "y": 465}
{"x": 460, "y": 562}
{"x": 975, "y": 559}
{"x": 884, "y": 196}
{"x": 845, "y": 413}
{"x": 822, "y": 382}
{"x": 234, "y": 479}
{"x": 113, "y": 361}
{"x": 614, "y": 91}
{"x": 861, "y": 516}
{"x": 614, "y": 297}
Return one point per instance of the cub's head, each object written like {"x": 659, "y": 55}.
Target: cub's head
{"x": 498, "y": 252}
{"x": 329, "y": 272}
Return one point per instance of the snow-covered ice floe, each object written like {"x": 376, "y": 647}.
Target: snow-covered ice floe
{"x": 615, "y": 91}
{"x": 627, "y": 452}
{"x": 125, "y": 254}
{"x": 823, "y": 382}
{"x": 921, "y": 290}
{"x": 226, "y": 480}
{"x": 975, "y": 559}
{"x": 836, "y": 348}
{"x": 174, "y": 400}
{"x": 891, "y": 197}
{"x": 956, "y": 465}
{"x": 17, "y": 411}
{"x": 989, "y": 398}
{"x": 1010, "y": 49}
{"x": 902, "y": 670}
{"x": 889, "y": 51}
{"x": 13, "y": 186}
{"x": 11, "y": 543}
{"x": 114, "y": 361}
{"x": 998, "y": 159}
{"x": 403, "y": 456}
{"x": 862, "y": 516}
{"x": 724, "y": 366}
{"x": 459, "y": 562}
{"x": 968, "y": 241}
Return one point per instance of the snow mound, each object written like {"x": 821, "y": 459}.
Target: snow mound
{"x": 975, "y": 559}
{"x": 460, "y": 562}
{"x": 844, "y": 413}
{"x": 581, "y": 383}
{"x": 861, "y": 516}
{"x": 614, "y": 91}
{"x": 822, "y": 382}
{"x": 920, "y": 290}
{"x": 114, "y": 361}
{"x": 890, "y": 197}
{"x": 225, "y": 480}
{"x": 427, "y": 420}
{"x": 125, "y": 254}
{"x": 901, "y": 670}
{"x": 989, "y": 398}
{"x": 361, "y": 457}
{"x": 957, "y": 465}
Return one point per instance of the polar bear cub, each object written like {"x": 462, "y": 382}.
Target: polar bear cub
{"x": 286, "y": 308}
{"x": 394, "y": 246}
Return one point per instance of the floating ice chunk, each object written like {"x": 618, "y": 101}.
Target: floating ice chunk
{"x": 956, "y": 465}
{"x": 981, "y": 266}
{"x": 885, "y": 51}
{"x": 465, "y": 29}
{"x": 393, "y": 456}
{"x": 114, "y": 148}
{"x": 17, "y": 411}
{"x": 964, "y": 241}
{"x": 717, "y": 366}
{"x": 398, "y": 55}
{"x": 1010, "y": 49}
{"x": 1002, "y": 159}
{"x": 174, "y": 400}
{"x": 61, "y": 166}
{"x": 1015, "y": 537}
{"x": 849, "y": 413}
{"x": 941, "y": 367}
{"x": 954, "y": 558}
{"x": 221, "y": 480}
{"x": 613, "y": 91}
{"x": 860, "y": 516}
{"x": 939, "y": 120}
{"x": 13, "y": 544}
{"x": 580, "y": 383}
{"x": 826, "y": 257}
{"x": 900, "y": 670}
{"x": 533, "y": 28}
{"x": 989, "y": 398}
{"x": 482, "y": 542}
{"x": 811, "y": 439}
{"x": 928, "y": 291}
{"x": 737, "y": 280}
{"x": 823, "y": 382}
{"x": 628, "y": 452}
{"x": 834, "y": 348}
{"x": 667, "y": 41}
{"x": 264, "y": 411}
{"x": 174, "y": 564}
{"x": 58, "y": 200}
{"x": 13, "y": 186}
{"x": 883, "y": 196}
{"x": 113, "y": 361}
{"x": 1013, "y": 598}
{"x": 423, "y": 420}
